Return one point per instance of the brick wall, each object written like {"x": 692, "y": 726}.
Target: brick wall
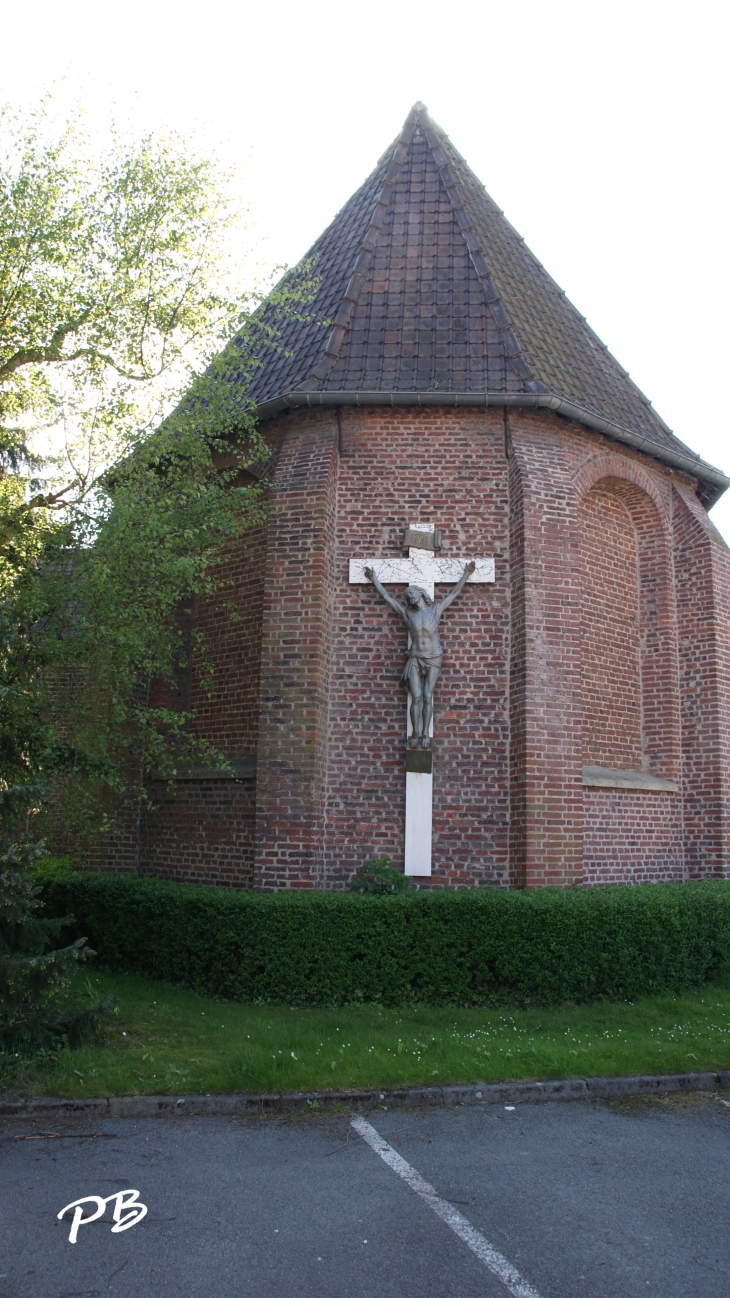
{"x": 296, "y": 649}
{"x": 118, "y": 848}
{"x": 201, "y": 831}
{"x": 226, "y": 708}
{"x": 629, "y": 631}
{"x": 632, "y": 836}
{"x": 702, "y": 565}
{"x": 630, "y": 689}
{"x": 447, "y": 468}
{"x": 610, "y": 644}
{"x": 546, "y": 766}
{"x": 579, "y": 654}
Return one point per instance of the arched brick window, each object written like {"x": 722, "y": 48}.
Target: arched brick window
{"x": 630, "y": 717}
{"x": 610, "y": 634}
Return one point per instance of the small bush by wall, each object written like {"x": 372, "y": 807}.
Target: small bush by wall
{"x": 441, "y": 947}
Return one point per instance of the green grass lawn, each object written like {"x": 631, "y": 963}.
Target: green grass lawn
{"x": 166, "y": 1039}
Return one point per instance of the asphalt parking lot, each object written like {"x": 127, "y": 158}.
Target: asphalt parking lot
{"x": 563, "y": 1200}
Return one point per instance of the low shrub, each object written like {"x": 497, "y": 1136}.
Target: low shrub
{"x": 465, "y": 948}
{"x": 52, "y": 867}
{"x": 379, "y": 877}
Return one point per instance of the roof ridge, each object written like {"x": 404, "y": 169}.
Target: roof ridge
{"x": 512, "y": 348}
{"x": 356, "y": 278}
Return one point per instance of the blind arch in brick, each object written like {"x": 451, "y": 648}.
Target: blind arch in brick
{"x": 608, "y": 465}
{"x": 627, "y": 574}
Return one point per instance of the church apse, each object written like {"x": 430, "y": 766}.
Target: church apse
{"x": 440, "y": 381}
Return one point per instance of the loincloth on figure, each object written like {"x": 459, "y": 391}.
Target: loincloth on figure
{"x": 424, "y": 663}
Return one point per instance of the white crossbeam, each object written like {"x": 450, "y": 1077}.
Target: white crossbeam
{"x": 421, "y": 568}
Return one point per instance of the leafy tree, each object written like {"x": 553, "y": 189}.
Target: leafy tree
{"x": 114, "y": 283}
{"x": 32, "y": 977}
{"x": 116, "y": 297}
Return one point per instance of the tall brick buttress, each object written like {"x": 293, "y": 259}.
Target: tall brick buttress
{"x": 296, "y": 646}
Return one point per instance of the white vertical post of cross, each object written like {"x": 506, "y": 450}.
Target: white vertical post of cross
{"x": 422, "y": 568}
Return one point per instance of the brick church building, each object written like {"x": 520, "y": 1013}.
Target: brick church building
{"x": 443, "y": 383}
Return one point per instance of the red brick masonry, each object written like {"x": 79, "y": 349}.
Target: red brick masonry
{"x": 603, "y": 644}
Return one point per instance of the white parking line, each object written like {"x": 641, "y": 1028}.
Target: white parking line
{"x": 473, "y": 1239}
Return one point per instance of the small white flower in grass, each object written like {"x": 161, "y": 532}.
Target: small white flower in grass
{"x": 293, "y": 1055}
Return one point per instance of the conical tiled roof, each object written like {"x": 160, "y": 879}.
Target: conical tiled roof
{"x": 427, "y": 295}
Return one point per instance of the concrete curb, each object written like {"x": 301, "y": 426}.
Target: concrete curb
{"x": 150, "y": 1106}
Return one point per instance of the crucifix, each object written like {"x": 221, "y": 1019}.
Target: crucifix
{"x": 419, "y": 573}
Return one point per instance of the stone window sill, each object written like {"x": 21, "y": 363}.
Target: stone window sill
{"x": 598, "y": 777}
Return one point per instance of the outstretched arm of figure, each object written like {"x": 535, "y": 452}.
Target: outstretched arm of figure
{"x": 457, "y": 589}
{"x": 396, "y": 607}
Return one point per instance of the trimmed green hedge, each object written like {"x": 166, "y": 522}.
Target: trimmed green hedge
{"x": 463, "y": 948}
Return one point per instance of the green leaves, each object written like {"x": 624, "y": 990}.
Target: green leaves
{"x": 111, "y": 269}
{"x": 379, "y": 877}
{"x": 118, "y": 310}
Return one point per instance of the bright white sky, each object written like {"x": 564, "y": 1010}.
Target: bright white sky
{"x": 600, "y": 128}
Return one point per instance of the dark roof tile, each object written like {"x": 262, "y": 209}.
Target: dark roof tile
{"x": 424, "y": 286}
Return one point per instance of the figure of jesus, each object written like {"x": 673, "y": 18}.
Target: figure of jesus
{"x": 421, "y": 615}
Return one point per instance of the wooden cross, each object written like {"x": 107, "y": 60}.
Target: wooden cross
{"x": 422, "y": 568}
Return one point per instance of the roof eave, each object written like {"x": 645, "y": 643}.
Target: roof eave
{"x": 713, "y": 482}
